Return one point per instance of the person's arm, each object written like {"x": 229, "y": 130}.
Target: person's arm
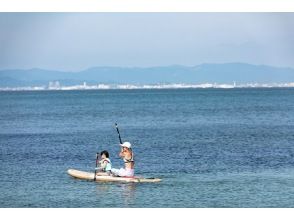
{"x": 122, "y": 153}
{"x": 100, "y": 168}
{"x": 104, "y": 164}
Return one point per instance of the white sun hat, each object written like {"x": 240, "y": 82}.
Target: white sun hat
{"x": 126, "y": 144}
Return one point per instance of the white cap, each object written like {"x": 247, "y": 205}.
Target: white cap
{"x": 126, "y": 144}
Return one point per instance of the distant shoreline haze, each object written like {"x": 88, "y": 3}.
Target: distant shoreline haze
{"x": 211, "y": 75}
{"x": 57, "y": 86}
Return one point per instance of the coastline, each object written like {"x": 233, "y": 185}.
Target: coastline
{"x": 56, "y": 86}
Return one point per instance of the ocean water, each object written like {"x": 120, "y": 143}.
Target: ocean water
{"x": 211, "y": 147}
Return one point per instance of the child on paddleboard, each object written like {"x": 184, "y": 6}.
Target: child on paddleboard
{"x": 105, "y": 164}
{"x": 127, "y": 155}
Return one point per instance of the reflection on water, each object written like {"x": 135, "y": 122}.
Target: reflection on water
{"x": 102, "y": 188}
{"x": 124, "y": 193}
{"x": 128, "y": 193}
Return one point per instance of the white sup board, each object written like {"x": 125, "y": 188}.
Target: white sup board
{"x": 90, "y": 176}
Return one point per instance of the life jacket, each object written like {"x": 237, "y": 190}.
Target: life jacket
{"x": 108, "y": 165}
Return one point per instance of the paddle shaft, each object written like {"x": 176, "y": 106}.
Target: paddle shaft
{"x": 118, "y": 133}
{"x": 97, "y": 157}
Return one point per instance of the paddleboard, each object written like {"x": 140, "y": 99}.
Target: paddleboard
{"x": 90, "y": 176}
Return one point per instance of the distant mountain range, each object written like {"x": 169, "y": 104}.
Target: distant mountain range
{"x": 204, "y": 73}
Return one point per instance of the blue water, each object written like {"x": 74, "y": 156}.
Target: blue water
{"x": 212, "y": 147}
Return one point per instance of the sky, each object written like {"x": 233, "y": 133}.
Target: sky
{"x": 77, "y": 41}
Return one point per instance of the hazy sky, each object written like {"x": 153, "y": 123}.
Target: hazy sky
{"x": 76, "y": 41}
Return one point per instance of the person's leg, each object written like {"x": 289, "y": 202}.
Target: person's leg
{"x": 126, "y": 172}
{"x": 129, "y": 172}
{"x": 122, "y": 172}
{"x": 115, "y": 172}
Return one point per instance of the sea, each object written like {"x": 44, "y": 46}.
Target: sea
{"x": 211, "y": 147}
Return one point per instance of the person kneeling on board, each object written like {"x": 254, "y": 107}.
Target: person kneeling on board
{"x": 127, "y": 155}
{"x": 105, "y": 164}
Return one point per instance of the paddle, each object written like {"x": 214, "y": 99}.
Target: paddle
{"x": 118, "y": 133}
{"x": 97, "y": 158}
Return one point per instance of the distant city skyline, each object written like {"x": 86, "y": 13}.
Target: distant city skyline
{"x": 77, "y": 41}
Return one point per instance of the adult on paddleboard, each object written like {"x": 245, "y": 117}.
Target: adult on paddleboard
{"x": 127, "y": 155}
